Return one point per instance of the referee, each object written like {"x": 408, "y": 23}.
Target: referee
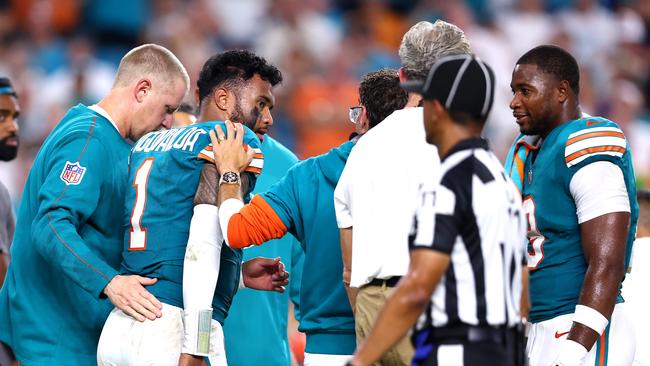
{"x": 464, "y": 280}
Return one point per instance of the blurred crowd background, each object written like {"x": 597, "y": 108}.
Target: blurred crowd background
{"x": 62, "y": 52}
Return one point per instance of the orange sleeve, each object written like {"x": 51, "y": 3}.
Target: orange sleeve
{"x": 255, "y": 223}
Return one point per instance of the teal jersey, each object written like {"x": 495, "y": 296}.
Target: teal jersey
{"x": 260, "y": 317}
{"x": 304, "y": 201}
{"x": 164, "y": 171}
{"x": 555, "y": 255}
{"x": 67, "y": 245}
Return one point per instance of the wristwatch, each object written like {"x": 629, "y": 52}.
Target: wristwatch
{"x": 229, "y": 178}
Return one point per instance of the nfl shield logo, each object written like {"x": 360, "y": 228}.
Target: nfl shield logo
{"x": 72, "y": 173}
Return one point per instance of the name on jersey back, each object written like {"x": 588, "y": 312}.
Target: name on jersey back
{"x": 165, "y": 140}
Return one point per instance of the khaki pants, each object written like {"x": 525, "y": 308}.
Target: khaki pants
{"x": 370, "y": 300}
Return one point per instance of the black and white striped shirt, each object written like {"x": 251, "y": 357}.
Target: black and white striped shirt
{"x": 474, "y": 214}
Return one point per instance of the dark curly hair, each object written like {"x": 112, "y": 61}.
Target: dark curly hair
{"x": 554, "y": 61}
{"x": 232, "y": 69}
{"x": 381, "y": 94}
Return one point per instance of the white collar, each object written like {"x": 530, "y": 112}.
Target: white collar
{"x": 103, "y": 113}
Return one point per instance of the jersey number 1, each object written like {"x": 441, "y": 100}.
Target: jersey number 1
{"x": 535, "y": 238}
{"x": 138, "y": 238}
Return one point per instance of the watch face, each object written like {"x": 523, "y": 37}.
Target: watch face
{"x": 230, "y": 177}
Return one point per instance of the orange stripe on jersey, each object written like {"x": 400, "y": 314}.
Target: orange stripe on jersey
{"x": 209, "y": 147}
{"x": 520, "y": 166}
{"x": 255, "y": 223}
{"x": 253, "y": 170}
{"x": 603, "y": 345}
{"x": 591, "y": 150}
{"x": 206, "y": 157}
{"x": 529, "y": 146}
{"x": 595, "y": 134}
{"x": 258, "y": 156}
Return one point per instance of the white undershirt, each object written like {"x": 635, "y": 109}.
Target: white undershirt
{"x": 598, "y": 189}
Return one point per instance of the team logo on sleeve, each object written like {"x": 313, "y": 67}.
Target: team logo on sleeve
{"x": 72, "y": 173}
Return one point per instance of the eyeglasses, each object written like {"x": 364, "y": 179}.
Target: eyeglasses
{"x": 354, "y": 113}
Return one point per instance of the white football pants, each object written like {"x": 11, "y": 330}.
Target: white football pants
{"x": 128, "y": 342}
{"x": 615, "y": 347}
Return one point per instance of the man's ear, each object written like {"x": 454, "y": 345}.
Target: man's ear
{"x": 141, "y": 89}
{"x": 197, "y": 98}
{"x": 363, "y": 120}
{"x": 402, "y": 75}
{"x": 563, "y": 91}
{"x": 438, "y": 108}
{"x": 221, "y": 98}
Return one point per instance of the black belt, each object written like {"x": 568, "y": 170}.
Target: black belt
{"x": 468, "y": 333}
{"x": 389, "y": 282}
{"x": 511, "y": 339}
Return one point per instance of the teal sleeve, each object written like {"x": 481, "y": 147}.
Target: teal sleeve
{"x": 282, "y": 196}
{"x": 297, "y": 259}
{"x": 65, "y": 208}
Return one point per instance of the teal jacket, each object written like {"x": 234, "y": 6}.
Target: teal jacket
{"x": 67, "y": 243}
{"x": 304, "y": 201}
{"x": 256, "y": 327}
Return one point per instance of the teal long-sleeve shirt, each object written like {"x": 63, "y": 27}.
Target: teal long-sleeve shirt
{"x": 304, "y": 201}
{"x": 256, "y": 327}
{"x": 67, "y": 243}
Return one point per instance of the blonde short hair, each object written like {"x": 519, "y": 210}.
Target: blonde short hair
{"x": 425, "y": 43}
{"x": 150, "y": 61}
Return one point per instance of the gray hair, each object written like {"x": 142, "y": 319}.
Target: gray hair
{"x": 151, "y": 61}
{"x": 425, "y": 43}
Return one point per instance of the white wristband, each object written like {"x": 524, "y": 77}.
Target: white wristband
{"x": 590, "y": 318}
{"x": 571, "y": 353}
{"x": 228, "y": 208}
{"x": 197, "y": 324}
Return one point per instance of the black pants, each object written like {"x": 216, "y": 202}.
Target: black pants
{"x": 459, "y": 351}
